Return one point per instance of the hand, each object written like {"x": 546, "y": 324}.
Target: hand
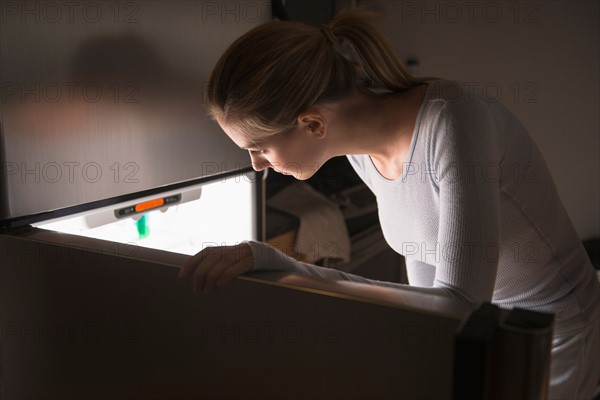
{"x": 214, "y": 267}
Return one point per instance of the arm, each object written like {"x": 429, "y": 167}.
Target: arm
{"x": 268, "y": 258}
{"x": 467, "y": 139}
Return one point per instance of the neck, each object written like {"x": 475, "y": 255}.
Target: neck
{"x": 380, "y": 125}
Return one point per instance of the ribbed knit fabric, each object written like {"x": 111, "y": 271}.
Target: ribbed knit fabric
{"x": 477, "y": 204}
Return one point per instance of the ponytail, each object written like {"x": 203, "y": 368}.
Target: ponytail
{"x": 363, "y": 45}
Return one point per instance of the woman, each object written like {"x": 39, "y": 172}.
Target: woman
{"x": 462, "y": 190}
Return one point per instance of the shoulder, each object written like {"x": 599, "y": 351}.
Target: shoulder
{"x": 456, "y": 107}
{"x": 451, "y": 99}
{"x": 454, "y": 91}
{"x": 462, "y": 124}
{"x": 462, "y": 98}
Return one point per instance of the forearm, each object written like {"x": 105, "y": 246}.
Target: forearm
{"x": 267, "y": 258}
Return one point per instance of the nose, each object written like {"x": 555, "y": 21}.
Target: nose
{"x": 259, "y": 163}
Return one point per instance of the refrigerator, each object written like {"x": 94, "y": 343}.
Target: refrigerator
{"x": 112, "y": 175}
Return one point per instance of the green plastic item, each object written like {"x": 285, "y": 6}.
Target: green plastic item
{"x": 142, "y": 226}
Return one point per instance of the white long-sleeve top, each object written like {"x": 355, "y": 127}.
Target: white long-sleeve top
{"x": 475, "y": 213}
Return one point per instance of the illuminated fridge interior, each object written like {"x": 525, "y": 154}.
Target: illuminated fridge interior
{"x": 218, "y": 212}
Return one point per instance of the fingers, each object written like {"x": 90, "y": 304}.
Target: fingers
{"x": 212, "y": 263}
{"x": 214, "y": 267}
{"x": 223, "y": 276}
{"x": 189, "y": 266}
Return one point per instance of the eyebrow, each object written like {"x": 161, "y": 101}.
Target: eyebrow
{"x": 250, "y": 146}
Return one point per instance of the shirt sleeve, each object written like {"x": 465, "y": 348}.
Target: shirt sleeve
{"x": 467, "y": 138}
{"x": 268, "y": 258}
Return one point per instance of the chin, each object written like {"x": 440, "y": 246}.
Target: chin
{"x": 300, "y": 177}
{"x": 295, "y": 175}
{"x": 303, "y": 177}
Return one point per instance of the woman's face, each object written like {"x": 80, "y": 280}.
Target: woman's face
{"x": 299, "y": 153}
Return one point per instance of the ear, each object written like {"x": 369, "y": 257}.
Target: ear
{"x": 313, "y": 122}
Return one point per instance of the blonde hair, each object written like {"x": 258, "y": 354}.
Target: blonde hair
{"x": 274, "y": 72}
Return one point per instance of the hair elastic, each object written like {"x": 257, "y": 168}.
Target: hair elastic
{"x": 329, "y": 34}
